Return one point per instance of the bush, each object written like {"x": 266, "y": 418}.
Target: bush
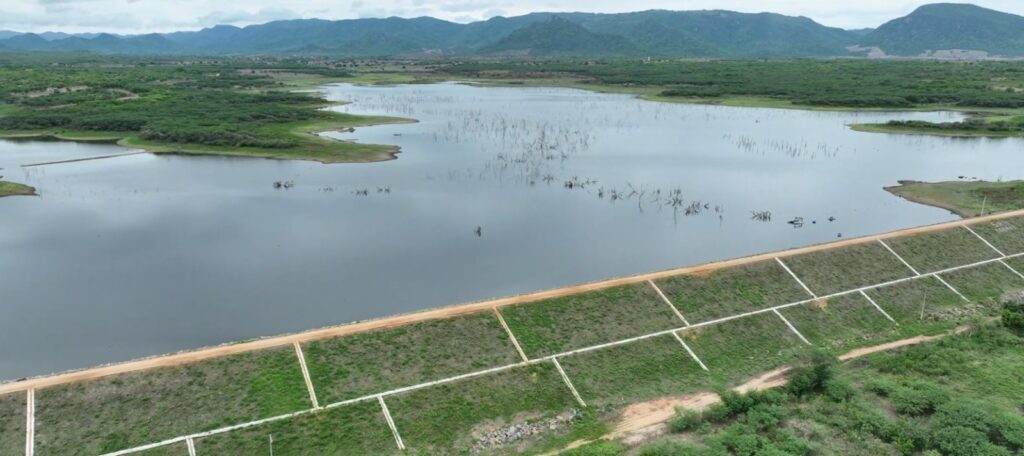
{"x": 812, "y": 378}
{"x": 1013, "y": 315}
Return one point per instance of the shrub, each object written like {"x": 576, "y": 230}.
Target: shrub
{"x": 1013, "y": 315}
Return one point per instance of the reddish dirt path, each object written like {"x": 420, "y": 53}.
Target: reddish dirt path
{"x": 452, "y": 311}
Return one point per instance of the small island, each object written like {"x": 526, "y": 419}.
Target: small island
{"x": 13, "y": 189}
{"x": 964, "y": 198}
{"x": 979, "y": 126}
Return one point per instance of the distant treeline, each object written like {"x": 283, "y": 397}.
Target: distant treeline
{"x": 837, "y": 83}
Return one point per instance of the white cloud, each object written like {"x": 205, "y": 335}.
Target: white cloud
{"x": 143, "y": 16}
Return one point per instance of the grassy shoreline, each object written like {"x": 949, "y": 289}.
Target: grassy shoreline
{"x": 963, "y": 198}
{"x": 15, "y": 189}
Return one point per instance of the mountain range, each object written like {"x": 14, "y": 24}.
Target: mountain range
{"x": 656, "y": 33}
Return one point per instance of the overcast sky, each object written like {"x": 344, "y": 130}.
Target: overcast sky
{"x": 145, "y": 16}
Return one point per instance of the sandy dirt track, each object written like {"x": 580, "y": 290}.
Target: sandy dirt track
{"x": 452, "y": 311}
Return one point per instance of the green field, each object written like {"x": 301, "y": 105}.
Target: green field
{"x": 840, "y": 324}
{"x": 906, "y": 301}
{"x": 444, "y": 419}
{"x": 372, "y": 362}
{"x": 583, "y": 320}
{"x": 725, "y": 292}
{"x": 847, "y": 268}
{"x": 938, "y": 250}
{"x": 739, "y": 349}
{"x": 12, "y": 423}
{"x": 134, "y": 409}
{"x": 352, "y": 429}
{"x": 985, "y": 285}
{"x": 1007, "y": 235}
{"x": 635, "y": 372}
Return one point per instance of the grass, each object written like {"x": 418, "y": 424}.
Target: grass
{"x": 966, "y": 199}
{"x": 832, "y": 271}
{"x": 943, "y": 309}
{"x": 737, "y": 349}
{"x": 577, "y": 321}
{"x": 635, "y": 372}
{"x": 958, "y": 396}
{"x": 938, "y": 250}
{"x": 133, "y": 409}
{"x": 1017, "y": 264}
{"x": 840, "y": 324}
{"x": 725, "y": 292}
{"x": 1007, "y": 235}
{"x": 14, "y": 189}
{"x": 12, "y": 423}
{"x": 985, "y": 284}
{"x": 445, "y": 419}
{"x": 372, "y": 362}
{"x": 176, "y": 449}
{"x": 929, "y": 128}
{"x": 353, "y": 429}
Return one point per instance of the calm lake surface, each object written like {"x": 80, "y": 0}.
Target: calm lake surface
{"x": 142, "y": 255}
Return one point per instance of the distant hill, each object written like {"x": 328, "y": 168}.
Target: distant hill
{"x": 945, "y": 26}
{"x": 559, "y": 36}
{"x": 654, "y": 33}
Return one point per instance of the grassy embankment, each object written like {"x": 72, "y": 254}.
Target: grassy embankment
{"x": 966, "y": 199}
{"x": 529, "y": 408}
{"x": 960, "y": 395}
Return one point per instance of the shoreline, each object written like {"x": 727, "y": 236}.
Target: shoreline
{"x": 231, "y": 348}
{"x": 900, "y": 191}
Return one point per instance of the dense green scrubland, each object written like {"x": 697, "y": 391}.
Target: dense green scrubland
{"x": 232, "y": 107}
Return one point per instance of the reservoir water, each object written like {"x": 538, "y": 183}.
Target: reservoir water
{"x": 497, "y": 191}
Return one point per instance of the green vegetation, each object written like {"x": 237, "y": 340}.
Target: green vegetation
{"x": 128, "y": 410}
{"x": 725, "y": 292}
{"x": 215, "y": 107}
{"x": 985, "y": 285}
{"x": 176, "y": 449}
{"x": 942, "y": 309}
{"x": 738, "y": 349}
{"x": 353, "y": 429}
{"x": 445, "y": 419}
{"x": 1013, "y": 314}
{"x": 966, "y": 199}
{"x": 847, "y": 268}
{"x": 371, "y": 362}
{"x": 577, "y": 321}
{"x": 13, "y": 189}
{"x": 975, "y": 126}
{"x": 12, "y": 423}
{"x": 957, "y": 396}
{"x": 938, "y": 250}
{"x": 840, "y": 324}
{"x": 844, "y": 84}
{"x": 635, "y": 372}
{"x": 1007, "y": 235}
